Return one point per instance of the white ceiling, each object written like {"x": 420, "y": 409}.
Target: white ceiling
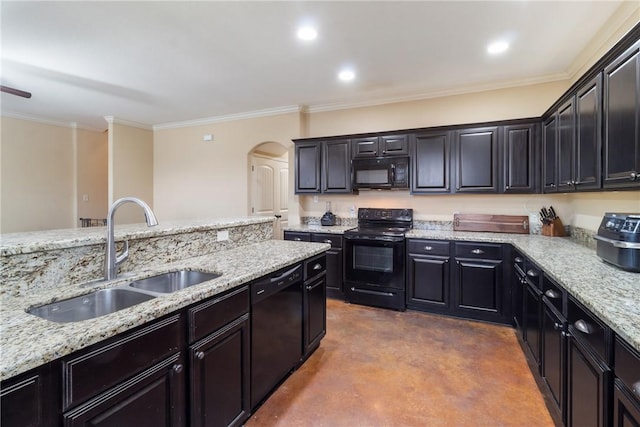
{"x": 163, "y": 62}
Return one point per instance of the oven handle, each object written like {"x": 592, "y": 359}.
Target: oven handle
{"x": 375, "y": 240}
{"x": 367, "y": 291}
{"x": 618, "y": 243}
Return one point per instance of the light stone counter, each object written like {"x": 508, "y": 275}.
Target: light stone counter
{"x": 330, "y": 229}
{"x": 27, "y": 341}
{"x": 611, "y": 293}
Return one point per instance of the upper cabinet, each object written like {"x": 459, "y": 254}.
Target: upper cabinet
{"x": 430, "y": 153}
{"x": 379, "y": 146}
{"x": 520, "y": 158}
{"x": 622, "y": 120}
{"x": 550, "y": 154}
{"x": 323, "y": 166}
{"x": 566, "y": 145}
{"x": 476, "y": 160}
{"x": 588, "y": 147}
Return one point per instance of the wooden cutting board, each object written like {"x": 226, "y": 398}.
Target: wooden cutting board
{"x": 493, "y": 223}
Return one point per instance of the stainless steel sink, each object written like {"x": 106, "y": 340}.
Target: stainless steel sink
{"x": 96, "y": 304}
{"x": 173, "y": 281}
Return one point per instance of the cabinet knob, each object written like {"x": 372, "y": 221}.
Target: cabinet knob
{"x": 177, "y": 368}
{"x": 384, "y": 151}
{"x": 556, "y": 326}
{"x": 633, "y": 175}
{"x": 506, "y": 187}
{"x": 518, "y": 259}
{"x": 318, "y": 266}
{"x": 477, "y": 251}
{"x": 297, "y": 239}
{"x": 565, "y": 334}
{"x": 583, "y": 327}
{"x": 636, "y": 388}
{"x": 327, "y": 241}
{"x": 428, "y": 248}
{"x": 200, "y": 355}
{"x": 552, "y": 294}
{"x": 532, "y": 273}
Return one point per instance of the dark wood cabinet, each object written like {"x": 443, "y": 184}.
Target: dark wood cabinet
{"x": 622, "y": 120}
{"x": 154, "y": 397}
{"x": 532, "y": 315}
{"x": 552, "y": 366}
{"x": 335, "y": 263}
{"x": 566, "y": 146}
{"x": 219, "y": 383}
{"x": 626, "y": 408}
{"x": 520, "y": 158}
{"x": 336, "y": 166}
{"x": 476, "y": 160}
{"x": 626, "y": 394}
{"x": 588, "y": 147}
{"x": 428, "y": 275}
{"x": 550, "y": 154}
{"x": 378, "y": 146}
{"x": 430, "y": 156}
{"x": 478, "y": 282}
{"x": 31, "y": 399}
{"x": 308, "y": 158}
{"x": 314, "y": 301}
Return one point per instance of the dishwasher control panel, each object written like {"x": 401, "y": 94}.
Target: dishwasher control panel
{"x": 273, "y": 283}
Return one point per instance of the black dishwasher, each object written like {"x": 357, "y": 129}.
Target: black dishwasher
{"x": 276, "y": 330}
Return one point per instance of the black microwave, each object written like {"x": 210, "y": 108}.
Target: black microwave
{"x": 381, "y": 173}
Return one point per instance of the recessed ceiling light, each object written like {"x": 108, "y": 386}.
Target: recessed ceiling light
{"x": 497, "y": 47}
{"x": 307, "y": 33}
{"x": 346, "y": 75}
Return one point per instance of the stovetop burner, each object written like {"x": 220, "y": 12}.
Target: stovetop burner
{"x": 386, "y": 222}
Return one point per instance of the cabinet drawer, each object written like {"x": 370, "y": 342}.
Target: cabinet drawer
{"x": 297, "y": 236}
{"x": 586, "y": 327}
{"x": 334, "y": 239}
{"x": 315, "y": 266}
{"x": 627, "y": 366}
{"x": 102, "y": 366}
{"x": 428, "y": 247}
{"x": 554, "y": 294}
{"x": 217, "y": 312}
{"x": 478, "y": 250}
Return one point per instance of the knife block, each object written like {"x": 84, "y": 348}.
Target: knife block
{"x": 555, "y": 229}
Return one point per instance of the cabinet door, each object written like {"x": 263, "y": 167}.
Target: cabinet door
{"x": 297, "y": 236}
{"x": 587, "y": 388}
{"x": 428, "y": 283}
{"x": 519, "y": 158}
{"x": 220, "y": 376}
{"x": 315, "y": 314}
{"x": 365, "y": 147}
{"x": 336, "y": 170}
{"x": 588, "y": 136}
{"x": 622, "y": 120}
{"x": 153, "y": 398}
{"x": 626, "y": 408}
{"x": 531, "y": 318}
{"x": 334, "y": 273}
{"x": 392, "y": 145}
{"x": 566, "y": 144}
{"x": 550, "y": 154}
{"x": 30, "y": 399}
{"x": 478, "y": 291}
{"x": 476, "y": 155}
{"x": 307, "y": 167}
{"x": 553, "y": 354}
{"x": 430, "y": 163}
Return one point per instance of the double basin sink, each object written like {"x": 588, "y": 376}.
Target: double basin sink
{"x": 110, "y": 300}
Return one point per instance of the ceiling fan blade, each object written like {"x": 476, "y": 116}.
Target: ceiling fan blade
{"x": 16, "y": 92}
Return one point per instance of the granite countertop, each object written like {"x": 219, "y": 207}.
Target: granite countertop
{"x": 609, "y": 292}
{"x": 27, "y": 242}
{"x": 331, "y": 229}
{"x": 27, "y": 341}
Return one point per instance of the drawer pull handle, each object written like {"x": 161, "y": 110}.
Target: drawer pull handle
{"x": 428, "y": 248}
{"x": 477, "y": 251}
{"x": 327, "y": 241}
{"x": 532, "y": 273}
{"x": 261, "y": 291}
{"x": 200, "y": 355}
{"x": 177, "y": 368}
{"x": 318, "y": 266}
{"x": 583, "y": 327}
{"x": 552, "y": 294}
{"x": 297, "y": 239}
{"x": 556, "y": 325}
{"x": 636, "y": 388}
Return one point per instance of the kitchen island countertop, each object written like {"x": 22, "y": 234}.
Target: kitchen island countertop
{"x": 330, "y": 229}
{"x": 27, "y": 341}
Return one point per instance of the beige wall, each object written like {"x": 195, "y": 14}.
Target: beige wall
{"x": 130, "y": 169}
{"x": 92, "y": 173}
{"x": 37, "y": 176}
{"x": 198, "y": 179}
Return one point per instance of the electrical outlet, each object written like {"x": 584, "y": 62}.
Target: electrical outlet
{"x": 315, "y": 199}
{"x": 223, "y": 235}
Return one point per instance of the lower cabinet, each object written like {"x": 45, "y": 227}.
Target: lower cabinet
{"x": 626, "y": 392}
{"x": 552, "y": 367}
{"x": 314, "y": 301}
{"x": 531, "y": 321}
{"x": 29, "y": 400}
{"x": 428, "y": 275}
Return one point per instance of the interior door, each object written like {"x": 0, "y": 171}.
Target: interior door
{"x": 270, "y": 190}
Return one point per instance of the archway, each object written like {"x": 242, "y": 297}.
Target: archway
{"x": 269, "y": 184}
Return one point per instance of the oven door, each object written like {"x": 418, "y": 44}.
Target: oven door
{"x": 375, "y": 262}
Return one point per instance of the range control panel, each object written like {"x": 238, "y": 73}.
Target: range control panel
{"x": 622, "y": 223}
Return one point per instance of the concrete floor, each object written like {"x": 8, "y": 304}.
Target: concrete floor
{"x": 380, "y": 367}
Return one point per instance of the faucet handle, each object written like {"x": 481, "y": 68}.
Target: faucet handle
{"x": 124, "y": 255}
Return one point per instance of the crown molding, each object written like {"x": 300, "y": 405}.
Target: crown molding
{"x": 114, "y": 120}
{"x": 230, "y": 117}
{"x": 463, "y": 90}
{"x": 44, "y": 121}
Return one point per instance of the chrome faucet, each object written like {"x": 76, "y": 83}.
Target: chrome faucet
{"x": 111, "y": 259}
